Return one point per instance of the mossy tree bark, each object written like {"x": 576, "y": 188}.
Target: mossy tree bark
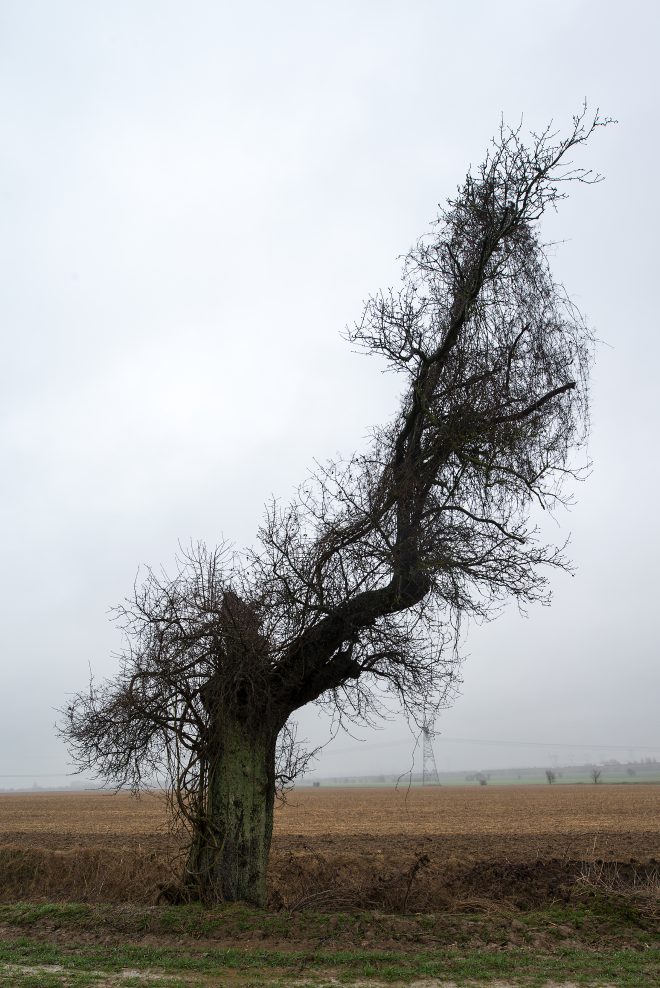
{"x": 229, "y": 857}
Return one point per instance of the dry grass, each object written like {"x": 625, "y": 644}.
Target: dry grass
{"x": 84, "y": 875}
{"x": 635, "y": 882}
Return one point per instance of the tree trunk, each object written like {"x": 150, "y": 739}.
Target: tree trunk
{"x": 229, "y": 855}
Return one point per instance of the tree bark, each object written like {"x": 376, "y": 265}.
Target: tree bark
{"x": 229, "y": 857}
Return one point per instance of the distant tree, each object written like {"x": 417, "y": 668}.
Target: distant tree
{"x": 596, "y": 774}
{"x": 550, "y": 775}
{"x": 481, "y": 778}
{"x": 359, "y": 585}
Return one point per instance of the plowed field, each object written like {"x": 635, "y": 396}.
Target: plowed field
{"x": 619, "y": 817}
{"x": 511, "y": 841}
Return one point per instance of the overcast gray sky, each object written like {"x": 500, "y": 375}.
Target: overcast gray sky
{"x": 196, "y": 198}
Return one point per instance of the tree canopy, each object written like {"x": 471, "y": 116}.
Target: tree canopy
{"x": 359, "y": 584}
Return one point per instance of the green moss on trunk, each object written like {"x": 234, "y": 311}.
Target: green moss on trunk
{"x": 228, "y": 860}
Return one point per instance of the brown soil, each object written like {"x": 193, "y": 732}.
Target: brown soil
{"x": 476, "y": 810}
{"x": 417, "y": 850}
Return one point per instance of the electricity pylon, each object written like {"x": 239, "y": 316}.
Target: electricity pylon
{"x": 429, "y": 768}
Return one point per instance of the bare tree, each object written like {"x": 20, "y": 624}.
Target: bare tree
{"x": 595, "y": 775}
{"x": 358, "y": 587}
{"x": 550, "y": 775}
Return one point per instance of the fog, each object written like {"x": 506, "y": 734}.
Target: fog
{"x": 196, "y": 200}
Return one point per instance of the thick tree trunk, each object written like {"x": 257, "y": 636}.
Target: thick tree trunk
{"x": 229, "y": 857}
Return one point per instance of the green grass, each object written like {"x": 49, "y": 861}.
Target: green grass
{"x": 625, "y": 968}
{"x": 601, "y": 941}
{"x": 597, "y": 923}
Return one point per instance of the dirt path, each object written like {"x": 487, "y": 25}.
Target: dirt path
{"x": 52, "y": 974}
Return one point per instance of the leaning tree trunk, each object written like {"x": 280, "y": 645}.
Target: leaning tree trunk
{"x": 229, "y": 854}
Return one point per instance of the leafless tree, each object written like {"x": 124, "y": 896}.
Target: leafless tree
{"x": 595, "y": 775}
{"x": 550, "y": 775}
{"x": 357, "y": 588}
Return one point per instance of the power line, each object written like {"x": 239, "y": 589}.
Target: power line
{"x": 493, "y": 742}
{"x": 38, "y": 775}
{"x": 557, "y": 744}
{"x": 429, "y": 767}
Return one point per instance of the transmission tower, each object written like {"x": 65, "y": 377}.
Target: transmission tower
{"x": 429, "y": 768}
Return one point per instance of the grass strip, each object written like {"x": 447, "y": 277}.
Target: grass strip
{"x": 625, "y": 968}
{"x": 601, "y": 923}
